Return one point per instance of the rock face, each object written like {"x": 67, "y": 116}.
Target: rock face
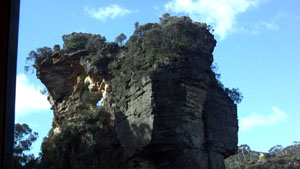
{"x": 168, "y": 112}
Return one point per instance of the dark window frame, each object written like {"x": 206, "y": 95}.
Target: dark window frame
{"x": 9, "y": 14}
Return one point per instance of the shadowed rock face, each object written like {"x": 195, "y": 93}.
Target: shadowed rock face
{"x": 170, "y": 114}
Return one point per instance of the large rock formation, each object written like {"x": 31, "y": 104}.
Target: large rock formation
{"x": 161, "y": 105}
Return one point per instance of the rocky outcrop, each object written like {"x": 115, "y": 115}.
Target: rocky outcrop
{"x": 164, "y": 107}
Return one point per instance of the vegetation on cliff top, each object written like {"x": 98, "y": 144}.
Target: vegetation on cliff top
{"x": 151, "y": 44}
{"x": 147, "y": 50}
{"x": 276, "y": 158}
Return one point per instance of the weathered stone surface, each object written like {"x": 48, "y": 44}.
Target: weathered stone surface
{"x": 175, "y": 118}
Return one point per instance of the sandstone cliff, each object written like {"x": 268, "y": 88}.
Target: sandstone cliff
{"x": 161, "y": 105}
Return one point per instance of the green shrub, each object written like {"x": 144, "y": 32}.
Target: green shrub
{"x": 95, "y": 43}
{"x": 234, "y": 94}
{"x": 120, "y": 39}
{"x": 76, "y": 41}
{"x": 35, "y": 58}
{"x": 71, "y": 135}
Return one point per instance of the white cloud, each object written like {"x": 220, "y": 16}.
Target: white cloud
{"x": 258, "y": 27}
{"x": 221, "y": 14}
{"x": 28, "y": 97}
{"x": 270, "y": 25}
{"x": 255, "y": 119}
{"x": 288, "y": 18}
{"x": 109, "y": 12}
{"x": 275, "y": 23}
{"x": 155, "y": 7}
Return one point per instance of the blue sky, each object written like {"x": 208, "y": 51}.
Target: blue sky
{"x": 257, "y": 51}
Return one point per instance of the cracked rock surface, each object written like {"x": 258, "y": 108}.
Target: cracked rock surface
{"x": 165, "y": 114}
